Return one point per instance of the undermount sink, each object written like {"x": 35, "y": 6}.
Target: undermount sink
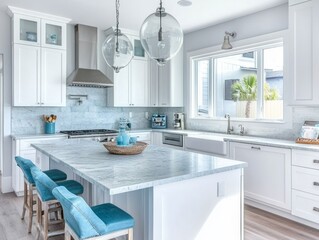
{"x": 212, "y": 144}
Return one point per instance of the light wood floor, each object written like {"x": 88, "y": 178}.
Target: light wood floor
{"x": 259, "y": 225}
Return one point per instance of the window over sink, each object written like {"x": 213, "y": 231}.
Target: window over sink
{"x": 247, "y": 83}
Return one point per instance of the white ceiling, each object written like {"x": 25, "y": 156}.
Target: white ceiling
{"x": 101, "y": 13}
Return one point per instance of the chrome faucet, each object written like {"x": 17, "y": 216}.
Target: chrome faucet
{"x": 229, "y": 128}
{"x": 242, "y": 130}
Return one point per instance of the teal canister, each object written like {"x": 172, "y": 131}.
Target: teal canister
{"x": 49, "y": 127}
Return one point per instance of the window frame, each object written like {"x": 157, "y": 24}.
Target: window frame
{"x": 246, "y": 45}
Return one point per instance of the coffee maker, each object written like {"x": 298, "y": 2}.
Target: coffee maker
{"x": 178, "y": 121}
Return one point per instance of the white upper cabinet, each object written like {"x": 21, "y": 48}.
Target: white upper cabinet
{"x": 53, "y": 34}
{"x": 131, "y": 84}
{"x": 53, "y": 84}
{"x": 304, "y": 50}
{"x": 39, "y": 58}
{"x": 26, "y": 74}
{"x": 166, "y": 85}
{"x": 26, "y": 30}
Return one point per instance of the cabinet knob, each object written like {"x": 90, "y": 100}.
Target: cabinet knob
{"x": 315, "y": 161}
{"x": 316, "y": 184}
{"x": 315, "y": 209}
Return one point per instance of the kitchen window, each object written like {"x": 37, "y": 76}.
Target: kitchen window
{"x": 247, "y": 84}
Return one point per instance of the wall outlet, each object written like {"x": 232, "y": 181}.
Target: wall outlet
{"x": 130, "y": 114}
{"x": 146, "y": 115}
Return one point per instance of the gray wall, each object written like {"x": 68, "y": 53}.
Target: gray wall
{"x": 5, "y": 48}
{"x": 265, "y": 22}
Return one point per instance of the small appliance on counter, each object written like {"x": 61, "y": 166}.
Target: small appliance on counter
{"x": 178, "y": 121}
{"x": 159, "y": 121}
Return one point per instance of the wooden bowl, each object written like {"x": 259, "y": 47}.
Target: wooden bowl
{"x": 125, "y": 150}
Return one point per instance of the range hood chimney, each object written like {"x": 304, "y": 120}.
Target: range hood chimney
{"x": 86, "y": 73}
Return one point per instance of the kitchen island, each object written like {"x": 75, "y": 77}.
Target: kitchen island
{"x": 171, "y": 194}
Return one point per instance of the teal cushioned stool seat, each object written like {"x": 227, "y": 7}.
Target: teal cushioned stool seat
{"x": 84, "y": 222}
{"x": 46, "y": 201}
{"x": 26, "y": 165}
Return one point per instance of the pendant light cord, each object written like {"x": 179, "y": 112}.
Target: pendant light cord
{"x": 117, "y": 6}
{"x": 160, "y": 33}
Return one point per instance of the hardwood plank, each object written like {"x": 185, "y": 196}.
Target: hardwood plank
{"x": 260, "y": 224}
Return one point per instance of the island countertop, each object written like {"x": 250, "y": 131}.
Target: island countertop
{"x": 123, "y": 173}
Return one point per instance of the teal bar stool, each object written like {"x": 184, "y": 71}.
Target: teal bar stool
{"x": 29, "y": 185}
{"x": 101, "y": 222}
{"x": 47, "y": 203}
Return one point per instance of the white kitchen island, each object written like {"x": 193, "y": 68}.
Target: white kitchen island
{"x": 171, "y": 194}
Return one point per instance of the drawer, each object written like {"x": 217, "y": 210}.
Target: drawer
{"x": 305, "y": 205}
{"x": 305, "y": 159}
{"x": 305, "y": 179}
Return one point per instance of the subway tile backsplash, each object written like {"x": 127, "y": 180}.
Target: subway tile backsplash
{"x": 90, "y": 114}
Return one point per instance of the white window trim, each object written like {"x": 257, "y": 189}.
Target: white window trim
{"x": 238, "y": 46}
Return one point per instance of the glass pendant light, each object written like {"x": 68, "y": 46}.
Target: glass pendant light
{"x": 161, "y": 36}
{"x": 117, "y": 49}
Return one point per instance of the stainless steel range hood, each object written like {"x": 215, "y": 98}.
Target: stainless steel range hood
{"x": 86, "y": 73}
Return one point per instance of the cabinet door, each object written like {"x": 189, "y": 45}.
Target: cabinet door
{"x": 26, "y": 75}
{"x": 164, "y": 82}
{"x": 268, "y": 175}
{"x": 26, "y": 30}
{"x": 121, "y": 87}
{"x": 139, "y": 84}
{"x": 53, "y": 84}
{"x": 153, "y": 83}
{"x": 304, "y": 35}
{"x": 53, "y": 34}
{"x": 157, "y": 138}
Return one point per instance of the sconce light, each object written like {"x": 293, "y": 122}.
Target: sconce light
{"x": 226, "y": 44}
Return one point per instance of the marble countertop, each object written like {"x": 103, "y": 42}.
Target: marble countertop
{"x": 244, "y": 139}
{"x": 232, "y": 138}
{"x": 124, "y": 173}
{"x": 38, "y": 136}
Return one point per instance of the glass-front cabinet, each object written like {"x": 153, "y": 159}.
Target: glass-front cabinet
{"x": 138, "y": 49}
{"x": 39, "y": 32}
{"x": 53, "y": 34}
{"x": 26, "y": 30}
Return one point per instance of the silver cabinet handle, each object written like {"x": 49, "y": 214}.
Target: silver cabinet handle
{"x": 316, "y": 184}
{"x": 315, "y": 209}
{"x": 256, "y": 148}
{"x": 315, "y": 161}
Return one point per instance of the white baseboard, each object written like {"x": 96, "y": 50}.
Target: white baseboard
{"x": 6, "y": 184}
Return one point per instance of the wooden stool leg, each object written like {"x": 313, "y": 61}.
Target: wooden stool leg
{"x": 45, "y": 221}
{"x": 130, "y": 234}
{"x": 25, "y": 199}
{"x": 30, "y": 200}
{"x": 67, "y": 235}
{"x": 39, "y": 217}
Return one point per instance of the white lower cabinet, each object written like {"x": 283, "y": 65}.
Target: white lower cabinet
{"x": 142, "y": 136}
{"x": 23, "y": 149}
{"x": 305, "y": 185}
{"x": 268, "y": 175}
{"x": 157, "y": 138}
